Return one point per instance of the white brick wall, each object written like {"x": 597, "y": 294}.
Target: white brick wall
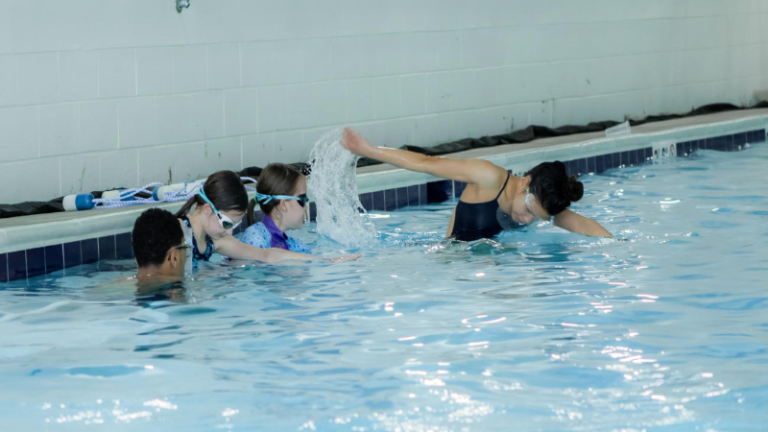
{"x": 97, "y": 94}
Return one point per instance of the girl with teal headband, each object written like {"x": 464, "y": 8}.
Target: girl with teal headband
{"x": 282, "y": 196}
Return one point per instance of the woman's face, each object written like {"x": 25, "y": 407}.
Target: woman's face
{"x": 293, "y": 212}
{"x": 526, "y": 208}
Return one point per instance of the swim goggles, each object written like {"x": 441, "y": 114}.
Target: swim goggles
{"x": 263, "y": 199}
{"x": 505, "y": 220}
{"x": 528, "y": 199}
{"x": 224, "y": 221}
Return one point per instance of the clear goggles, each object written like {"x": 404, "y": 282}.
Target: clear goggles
{"x": 224, "y": 221}
{"x": 506, "y": 221}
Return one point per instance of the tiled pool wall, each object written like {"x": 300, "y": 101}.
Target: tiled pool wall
{"x": 442, "y": 190}
{"x": 39, "y": 261}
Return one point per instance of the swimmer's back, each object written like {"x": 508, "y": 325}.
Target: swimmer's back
{"x": 476, "y": 220}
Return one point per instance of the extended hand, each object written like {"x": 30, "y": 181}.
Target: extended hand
{"x": 345, "y": 258}
{"x": 354, "y": 142}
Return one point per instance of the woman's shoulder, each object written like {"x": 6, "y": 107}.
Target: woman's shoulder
{"x": 490, "y": 176}
{"x": 256, "y": 235}
{"x": 496, "y": 178}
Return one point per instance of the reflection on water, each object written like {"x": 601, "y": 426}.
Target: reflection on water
{"x": 148, "y": 293}
{"x": 549, "y": 330}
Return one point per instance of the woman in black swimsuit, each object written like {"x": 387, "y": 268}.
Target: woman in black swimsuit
{"x": 493, "y": 199}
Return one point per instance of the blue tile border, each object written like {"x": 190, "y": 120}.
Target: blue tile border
{"x": 616, "y": 160}
{"x": 72, "y": 254}
{"x": 572, "y": 168}
{"x": 423, "y": 194}
{"x": 458, "y": 188}
{"x": 625, "y": 158}
{"x": 739, "y": 140}
{"x": 124, "y": 246}
{"x": 378, "y": 200}
{"x": 33, "y": 262}
{"x": 17, "y": 265}
{"x": 608, "y": 161}
{"x": 3, "y": 268}
{"x": 107, "y": 248}
{"x": 733, "y": 142}
{"x": 439, "y": 191}
{"x": 640, "y": 155}
{"x": 413, "y": 195}
{"x": 402, "y": 197}
{"x": 366, "y": 200}
{"x": 582, "y": 164}
{"x": 722, "y": 143}
{"x": 312, "y": 212}
{"x": 54, "y": 258}
{"x": 390, "y": 199}
{"x": 756, "y": 136}
{"x": 90, "y": 250}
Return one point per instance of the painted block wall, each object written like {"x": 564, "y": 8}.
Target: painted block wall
{"x": 99, "y": 94}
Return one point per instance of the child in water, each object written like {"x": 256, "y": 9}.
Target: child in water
{"x": 220, "y": 206}
{"x": 281, "y": 193}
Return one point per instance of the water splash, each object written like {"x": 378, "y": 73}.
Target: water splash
{"x": 333, "y": 185}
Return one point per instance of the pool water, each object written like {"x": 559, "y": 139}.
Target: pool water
{"x": 537, "y": 330}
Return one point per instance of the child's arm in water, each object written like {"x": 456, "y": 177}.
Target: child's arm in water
{"x": 475, "y": 171}
{"x": 577, "y": 223}
{"x": 235, "y": 249}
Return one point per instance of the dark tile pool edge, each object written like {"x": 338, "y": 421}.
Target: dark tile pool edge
{"x": 22, "y": 264}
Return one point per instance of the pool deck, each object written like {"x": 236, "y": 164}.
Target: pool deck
{"x": 648, "y": 128}
{"x": 371, "y": 178}
{"x": 56, "y": 228}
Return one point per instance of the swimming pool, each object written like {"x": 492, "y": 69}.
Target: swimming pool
{"x": 537, "y": 330}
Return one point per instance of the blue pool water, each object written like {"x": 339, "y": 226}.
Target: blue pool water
{"x": 538, "y": 330}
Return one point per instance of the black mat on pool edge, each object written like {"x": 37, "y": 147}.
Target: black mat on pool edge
{"x": 534, "y": 132}
{"x": 521, "y": 136}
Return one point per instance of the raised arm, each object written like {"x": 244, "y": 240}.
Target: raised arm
{"x": 235, "y": 249}
{"x": 577, "y": 223}
{"x": 476, "y": 171}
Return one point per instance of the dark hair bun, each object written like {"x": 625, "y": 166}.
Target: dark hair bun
{"x": 552, "y": 187}
{"x": 574, "y": 189}
{"x": 559, "y": 166}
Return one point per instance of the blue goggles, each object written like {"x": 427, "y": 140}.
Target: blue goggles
{"x": 264, "y": 199}
{"x": 224, "y": 221}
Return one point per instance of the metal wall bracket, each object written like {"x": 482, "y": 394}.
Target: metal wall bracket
{"x": 181, "y": 4}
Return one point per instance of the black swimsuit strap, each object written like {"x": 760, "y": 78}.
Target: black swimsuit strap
{"x": 209, "y": 245}
{"x": 503, "y": 187}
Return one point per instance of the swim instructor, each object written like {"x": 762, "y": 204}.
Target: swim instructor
{"x": 494, "y": 200}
